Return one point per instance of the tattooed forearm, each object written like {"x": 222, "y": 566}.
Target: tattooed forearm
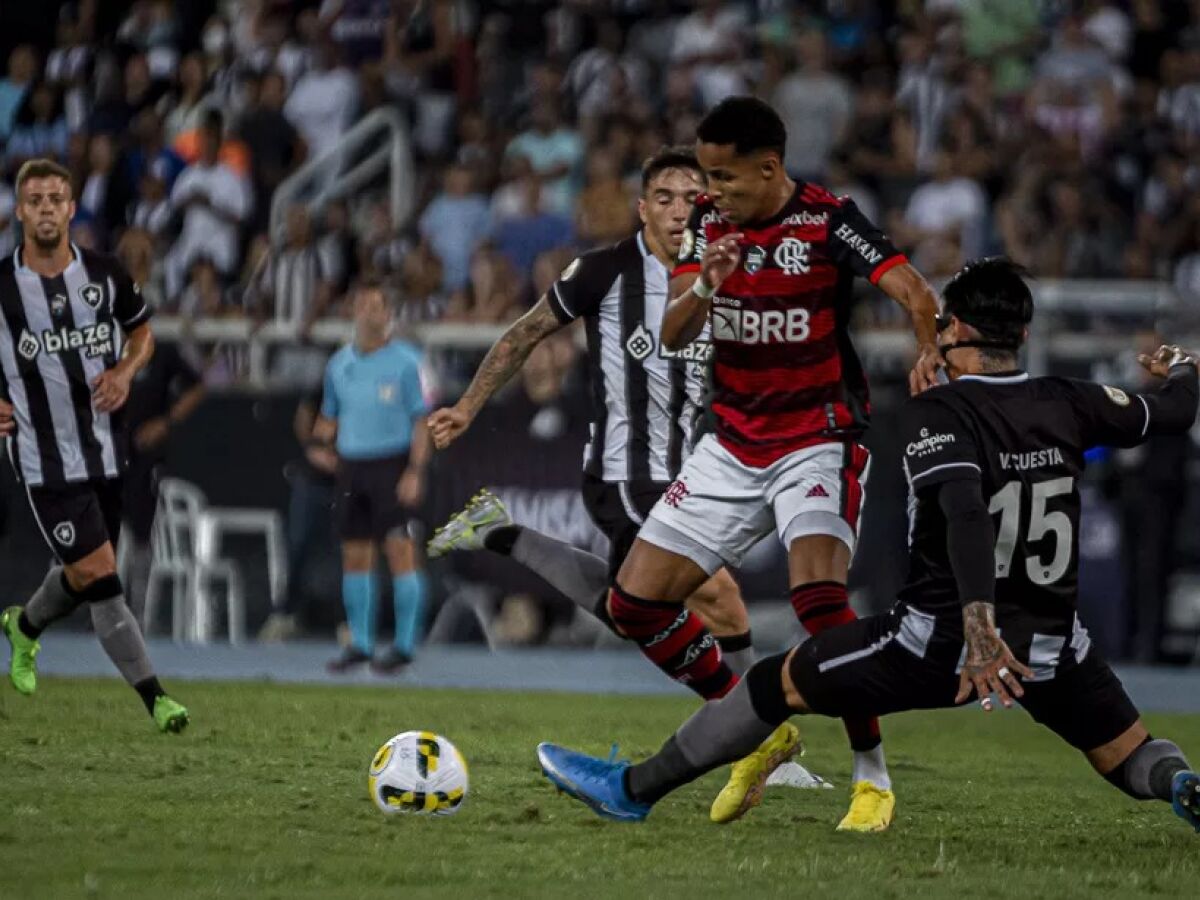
{"x": 979, "y": 630}
{"x": 508, "y": 355}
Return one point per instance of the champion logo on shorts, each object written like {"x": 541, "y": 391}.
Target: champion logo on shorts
{"x": 675, "y": 494}
{"x": 817, "y": 491}
{"x": 64, "y": 533}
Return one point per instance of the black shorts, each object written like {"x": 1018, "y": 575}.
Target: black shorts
{"x": 78, "y": 519}
{"x": 366, "y": 507}
{"x": 863, "y": 669}
{"x": 619, "y": 509}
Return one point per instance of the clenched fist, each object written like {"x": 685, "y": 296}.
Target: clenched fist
{"x": 446, "y": 425}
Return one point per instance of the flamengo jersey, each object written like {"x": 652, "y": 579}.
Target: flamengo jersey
{"x": 56, "y": 336}
{"x": 785, "y": 375}
{"x": 645, "y": 398}
{"x": 1023, "y": 439}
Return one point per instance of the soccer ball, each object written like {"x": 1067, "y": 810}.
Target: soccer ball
{"x": 418, "y": 772}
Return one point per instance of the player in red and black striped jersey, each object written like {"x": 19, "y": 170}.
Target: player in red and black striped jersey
{"x": 771, "y": 261}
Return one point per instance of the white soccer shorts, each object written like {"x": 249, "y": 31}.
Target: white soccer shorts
{"x": 718, "y": 507}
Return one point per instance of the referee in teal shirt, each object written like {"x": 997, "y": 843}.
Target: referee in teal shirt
{"x": 375, "y": 406}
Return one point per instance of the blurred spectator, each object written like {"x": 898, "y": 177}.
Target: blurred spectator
{"x": 295, "y": 288}
{"x": 212, "y": 201}
{"x": 149, "y": 155}
{"x": 422, "y": 296}
{"x": 274, "y": 145}
{"x": 324, "y": 101}
{"x": 152, "y": 211}
{"x": 117, "y": 107}
{"x": 595, "y": 78}
{"x": 106, "y": 193}
{"x": 204, "y": 294}
{"x": 138, "y": 252}
{"x": 491, "y": 295}
{"x": 358, "y": 27}
{"x": 708, "y": 44}
{"x": 41, "y": 128}
{"x": 816, "y": 105}
{"x": 605, "y": 212}
{"x": 1184, "y": 109}
{"x": 1005, "y": 36}
{"x": 22, "y": 72}
{"x": 950, "y": 207}
{"x": 553, "y": 150}
{"x": 455, "y": 224}
{"x": 929, "y": 86}
{"x": 531, "y": 230}
{"x": 337, "y": 246}
{"x": 1083, "y": 238}
{"x": 192, "y": 99}
{"x": 420, "y": 58}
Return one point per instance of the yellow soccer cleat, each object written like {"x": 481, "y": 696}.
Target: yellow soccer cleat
{"x": 871, "y": 808}
{"x": 744, "y": 790}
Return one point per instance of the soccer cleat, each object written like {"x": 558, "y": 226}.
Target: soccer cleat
{"x": 170, "y": 716}
{"x": 22, "y": 667}
{"x": 351, "y": 658}
{"x": 871, "y": 808}
{"x": 466, "y": 529}
{"x": 390, "y": 662}
{"x": 600, "y": 783}
{"x": 744, "y": 790}
{"x": 1185, "y": 797}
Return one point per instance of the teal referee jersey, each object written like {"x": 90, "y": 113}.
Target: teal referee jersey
{"x": 374, "y": 397}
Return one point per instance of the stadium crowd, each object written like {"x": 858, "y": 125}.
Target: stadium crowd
{"x": 1062, "y": 133}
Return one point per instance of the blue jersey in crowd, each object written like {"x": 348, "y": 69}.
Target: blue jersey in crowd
{"x": 374, "y": 397}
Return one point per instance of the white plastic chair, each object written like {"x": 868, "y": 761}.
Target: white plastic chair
{"x": 176, "y": 547}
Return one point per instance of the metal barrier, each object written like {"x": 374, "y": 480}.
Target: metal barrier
{"x": 322, "y": 179}
{"x": 1146, "y": 303}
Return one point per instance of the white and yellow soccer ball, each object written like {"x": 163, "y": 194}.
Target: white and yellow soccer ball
{"x": 420, "y": 773}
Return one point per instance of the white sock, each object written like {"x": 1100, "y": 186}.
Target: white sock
{"x": 870, "y": 766}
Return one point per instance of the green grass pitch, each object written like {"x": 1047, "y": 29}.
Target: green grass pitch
{"x": 265, "y": 796}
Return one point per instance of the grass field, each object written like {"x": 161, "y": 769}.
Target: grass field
{"x": 265, "y": 796}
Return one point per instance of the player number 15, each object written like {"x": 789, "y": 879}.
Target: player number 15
{"x": 1007, "y": 502}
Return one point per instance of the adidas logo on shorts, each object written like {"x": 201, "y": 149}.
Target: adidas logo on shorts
{"x": 817, "y": 491}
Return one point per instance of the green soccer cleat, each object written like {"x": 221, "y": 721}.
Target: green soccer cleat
{"x": 467, "y": 529}
{"x": 22, "y": 668}
{"x": 170, "y": 716}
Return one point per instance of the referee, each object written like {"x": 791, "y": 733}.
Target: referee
{"x": 74, "y": 331}
{"x": 374, "y": 405}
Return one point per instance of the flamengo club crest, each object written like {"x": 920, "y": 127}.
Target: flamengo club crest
{"x": 755, "y": 257}
{"x": 91, "y": 294}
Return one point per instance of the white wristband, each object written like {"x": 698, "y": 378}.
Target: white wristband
{"x": 701, "y": 290}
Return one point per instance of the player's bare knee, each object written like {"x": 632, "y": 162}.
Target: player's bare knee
{"x": 358, "y": 556}
{"x": 98, "y": 564}
{"x": 816, "y": 557}
{"x": 791, "y": 693}
{"x": 656, "y": 574}
{"x": 401, "y": 554}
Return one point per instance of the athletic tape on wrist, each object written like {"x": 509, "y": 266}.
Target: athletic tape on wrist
{"x": 701, "y": 290}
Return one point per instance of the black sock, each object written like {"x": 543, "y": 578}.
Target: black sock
{"x": 149, "y": 690}
{"x": 27, "y": 628}
{"x": 650, "y": 781}
{"x": 500, "y": 540}
{"x": 1162, "y": 773}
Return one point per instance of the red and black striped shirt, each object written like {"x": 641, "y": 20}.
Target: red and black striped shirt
{"x": 785, "y": 375}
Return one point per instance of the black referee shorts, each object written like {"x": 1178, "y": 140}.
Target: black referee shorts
{"x": 78, "y": 519}
{"x": 619, "y": 509}
{"x": 366, "y": 507}
{"x": 863, "y": 669}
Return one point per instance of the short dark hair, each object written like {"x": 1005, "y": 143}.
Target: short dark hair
{"x": 212, "y": 120}
{"x": 669, "y": 158}
{"x": 43, "y": 168}
{"x": 746, "y": 122}
{"x": 991, "y": 296}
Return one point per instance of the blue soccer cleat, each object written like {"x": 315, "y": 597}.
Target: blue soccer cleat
{"x": 1185, "y": 797}
{"x": 600, "y": 783}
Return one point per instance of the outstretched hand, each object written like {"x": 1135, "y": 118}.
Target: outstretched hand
{"x": 1160, "y": 362}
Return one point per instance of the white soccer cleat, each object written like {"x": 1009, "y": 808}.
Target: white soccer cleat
{"x": 794, "y": 775}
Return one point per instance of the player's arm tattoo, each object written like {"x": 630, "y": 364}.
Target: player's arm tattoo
{"x": 979, "y": 630}
{"x": 509, "y": 353}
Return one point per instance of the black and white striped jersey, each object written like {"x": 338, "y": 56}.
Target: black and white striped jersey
{"x": 56, "y": 336}
{"x": 645, "y": 398}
